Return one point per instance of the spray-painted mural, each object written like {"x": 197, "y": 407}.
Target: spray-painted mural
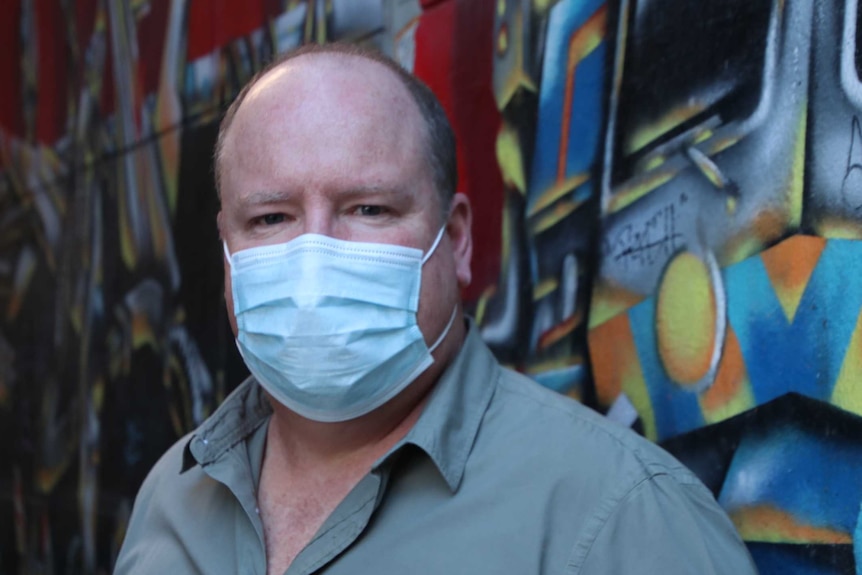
{"x": 725, "y": 317}
{"x": 667, "y": 198}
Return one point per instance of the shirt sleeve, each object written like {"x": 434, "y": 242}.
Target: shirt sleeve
{"x": 666, "y": 526}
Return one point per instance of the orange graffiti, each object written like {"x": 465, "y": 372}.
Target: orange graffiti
{"x": 582, "y": 43}
{"x": 729, "y": 378}
{"x": 770, "y": 524}
{"x": 560, "y": 330}
{"x": 613, "y": 355}
{"x": 789, "y": 266}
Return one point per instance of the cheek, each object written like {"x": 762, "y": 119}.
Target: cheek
{"x": 437, "y": 298}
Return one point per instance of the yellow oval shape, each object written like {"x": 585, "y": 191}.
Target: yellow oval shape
{"x": 686, "y": 319}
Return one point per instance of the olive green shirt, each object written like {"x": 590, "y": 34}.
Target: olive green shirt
{"x": 499, "y": 475}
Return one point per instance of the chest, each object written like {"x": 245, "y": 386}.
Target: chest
{"x": 294, "y": 507}
{"x": 289, "y": 524}
{"x": 410, "y": 523}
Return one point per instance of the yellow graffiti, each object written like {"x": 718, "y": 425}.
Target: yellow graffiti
{"x": 845, "y": 393}
{"x": 709, "y": 170}
{"x": 503, "y": 39}
{"x": 650, "y": 132}
{"x": 542, "y": 6}
{"x": 720, "y": 144}
{"x": 143, "y": 333}
{"x": 795, "y": 184}
{"x": 731, "y": 205}
{"x": 545, "y": 288}
{"x": 555, "y": 216}
{"x": 517, "y": 78}
{"x": 686, "y": 319}
{"x": 553, "y": 364}
{"x": 609, "y": 300}
{"x": 839, "y": 228}
{"x": 766, "y": 226}
{"x": 654, "y": 162}
{"x": 638, "y": 187}
{"x": 702, "y": 136}
{"x": 557, "y": 191}
{"x": 617, "y": 369}
{"x": 510, "y": 158}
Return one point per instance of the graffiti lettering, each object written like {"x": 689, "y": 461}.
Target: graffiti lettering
{"x": 644, "y": 243}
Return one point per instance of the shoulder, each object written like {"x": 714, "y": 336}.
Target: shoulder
{"x": 159, "y": 507}
{"x": 606, "y": 484}
{"x": 168, "y": 474}
{"x": 571, "y": 433}
{"x": 165, "y": 491}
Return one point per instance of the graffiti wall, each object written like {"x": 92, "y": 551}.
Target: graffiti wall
{"x": 667, "y": 198}
{"x": 725, "y": 315}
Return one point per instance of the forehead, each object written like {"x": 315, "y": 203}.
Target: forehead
{"x": 338, "y": 111}
{"x": 333, "y": 88}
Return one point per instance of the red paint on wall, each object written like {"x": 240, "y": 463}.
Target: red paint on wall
{"x": 85, "y": 22}
{"x": 152, "y": 34}
{"x": 463, "y": 85}
{"x": 10, "y": 72}
{"x": 434, "y": 52}
{"x": 478, "y": 121}
{"x": 53, "y": 65}
{"x": 214, "y": 23}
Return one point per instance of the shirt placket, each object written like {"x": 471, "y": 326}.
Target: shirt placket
{"x": 342, "y": 527}
{"x": 232, "y": 471}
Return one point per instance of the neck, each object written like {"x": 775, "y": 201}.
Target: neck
{"x": 305, "y": 444}
{"x": 302, "y": 444}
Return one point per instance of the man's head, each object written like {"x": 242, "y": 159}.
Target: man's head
{"x": 439, "y": 138}
{"x": 334, "y": 141}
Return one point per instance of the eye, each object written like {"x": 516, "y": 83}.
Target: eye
{"x": 371, "y": 210}
{"x": 272, "y": 219}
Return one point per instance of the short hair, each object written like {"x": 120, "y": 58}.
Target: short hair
{"x": 439, "y": 138}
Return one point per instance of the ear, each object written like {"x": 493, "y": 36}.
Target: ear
{"x": 459, "y": 228}
{"x": 220, "y": 225}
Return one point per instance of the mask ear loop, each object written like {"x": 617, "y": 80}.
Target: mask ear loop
{"x": 445, "y": 331}
{"x": 227, "y": 255}
{"x": 430, "y": 252}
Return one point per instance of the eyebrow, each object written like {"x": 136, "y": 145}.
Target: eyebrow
{"x": 271, "y": 197}
{"x": 265, "y": 197}
{"x": 368, "y": 191}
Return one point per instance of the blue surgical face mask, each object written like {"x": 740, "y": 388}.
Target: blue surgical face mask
{"x": 328, "y": 327}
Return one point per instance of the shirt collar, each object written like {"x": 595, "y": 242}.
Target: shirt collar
{"x": 239, "y": 414}
{"x": 445, "y": 431}
{"x": 450, "y": 421}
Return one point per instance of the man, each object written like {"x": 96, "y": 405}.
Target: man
{"x": 378, "y": 434}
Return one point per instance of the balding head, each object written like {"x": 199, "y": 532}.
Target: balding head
{"x": 437, "y": 136}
